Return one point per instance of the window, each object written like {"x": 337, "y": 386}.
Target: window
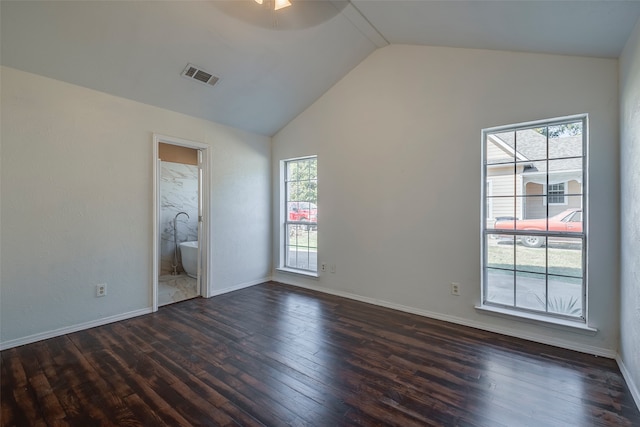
{"x": 534, "y": 242}
{"x": 556, "y": 194}
{"x": 300, "y": 212}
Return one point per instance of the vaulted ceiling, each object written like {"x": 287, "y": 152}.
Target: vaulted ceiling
{"x": 273, "y": 65}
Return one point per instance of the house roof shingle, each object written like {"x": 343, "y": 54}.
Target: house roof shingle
{"x": 532, "y": 148}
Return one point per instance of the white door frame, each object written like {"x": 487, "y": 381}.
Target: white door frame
{"x": 204, "y": 238}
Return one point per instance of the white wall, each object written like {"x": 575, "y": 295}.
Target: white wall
{"x": 399, "y": 160}
{"x": 77, "y": 204}
{"x": 630, "y": 200}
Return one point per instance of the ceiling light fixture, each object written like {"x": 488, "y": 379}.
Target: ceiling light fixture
{"x": 277, "y": 4}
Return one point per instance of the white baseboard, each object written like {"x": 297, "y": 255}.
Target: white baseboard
{"x": 70, "y": 329}
{"x": 106, "y": 320}
{"x": 240, "y": 286}
{"x": 597, "y": 351}
{"x": 633, "y": 387}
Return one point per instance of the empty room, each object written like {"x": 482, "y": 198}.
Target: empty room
{"x": 331, "y": 212}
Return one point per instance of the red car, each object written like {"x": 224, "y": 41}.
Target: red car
{"x": 303, "y": 211}
{"x": 569, "y": 221}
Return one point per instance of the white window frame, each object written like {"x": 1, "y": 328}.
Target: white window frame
{"x": 489, "y": 190}
{"x": 285, "y": 223}
{"x": 487, "y": 233}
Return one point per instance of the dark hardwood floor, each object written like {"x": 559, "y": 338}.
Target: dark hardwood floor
{"x": 278, "y": 355}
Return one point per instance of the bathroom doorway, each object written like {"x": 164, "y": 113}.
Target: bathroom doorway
{"x": 180, "y": 224}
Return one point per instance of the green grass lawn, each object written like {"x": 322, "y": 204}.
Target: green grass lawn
{"x": 298, "y": 236}
{"x": 563, "y": 259}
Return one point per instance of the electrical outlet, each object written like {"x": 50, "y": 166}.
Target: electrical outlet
{"x": 101, "y": 289}
{"x": 455, "y": 288}
{"x": 323, "y": 266}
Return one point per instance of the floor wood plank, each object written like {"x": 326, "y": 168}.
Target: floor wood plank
{"x": 276, "y": 355}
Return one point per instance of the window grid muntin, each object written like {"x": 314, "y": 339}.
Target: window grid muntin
{"x": 486, "y": 231}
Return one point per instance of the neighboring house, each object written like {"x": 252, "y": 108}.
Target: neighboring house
{"x": 517, "y": 178}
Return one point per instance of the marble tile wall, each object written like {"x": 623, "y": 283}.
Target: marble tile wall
{"x": 178, "y": 193}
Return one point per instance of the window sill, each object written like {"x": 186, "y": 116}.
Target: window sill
{"x": 300, "y": 272}
{"x": 568, "y": 325}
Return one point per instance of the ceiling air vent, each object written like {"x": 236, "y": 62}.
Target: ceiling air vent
{"x": 194, "y": 73}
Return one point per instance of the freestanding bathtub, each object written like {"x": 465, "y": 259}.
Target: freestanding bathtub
{"x": 189, "y": 253}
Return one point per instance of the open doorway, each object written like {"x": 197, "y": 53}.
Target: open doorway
{"x": 180, "y": 240}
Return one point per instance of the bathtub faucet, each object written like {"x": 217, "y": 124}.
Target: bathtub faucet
{"x": 180, "y": 213}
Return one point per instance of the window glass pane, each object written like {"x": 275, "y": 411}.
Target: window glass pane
{"x": 533, "y": 211}
{"x": 565, "y": 170}
{"x": 502, "y": 180}
{"x": 302, "y": 258}
{"x": 313, "y": 170}
{"x": 533, "y": 184}
{"x": 504, "y": 213}
{"x": 530, "y": 290}
{"x": 565, "y": 257}
{"x": 303, "y": 170}
{"x": 292, "y": 171}
{"x": 303, "y": 235}
{"x": 500, "y": 251}
{"x": 291, "y": 258}
{"x": 313, "y": 260}
{"x": 565, "y": 140}
{"x": 294, "y": 193}
{"x": 297, "y": 235}
{"x": 293, "y": 231}
{"x": 291, "y": 190}
{"x": 489, "y": 212}
{"x": 500, "y": 189}
{"x": 299, "y": 258}
{"x": 531, "y": 259}
{"x": 499, "y": 148}
{"x": 499, "y": 286}
{"x": 313, "y": 237}
{"x": 531, "y": 144}
{"x": 565, "y": 296}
